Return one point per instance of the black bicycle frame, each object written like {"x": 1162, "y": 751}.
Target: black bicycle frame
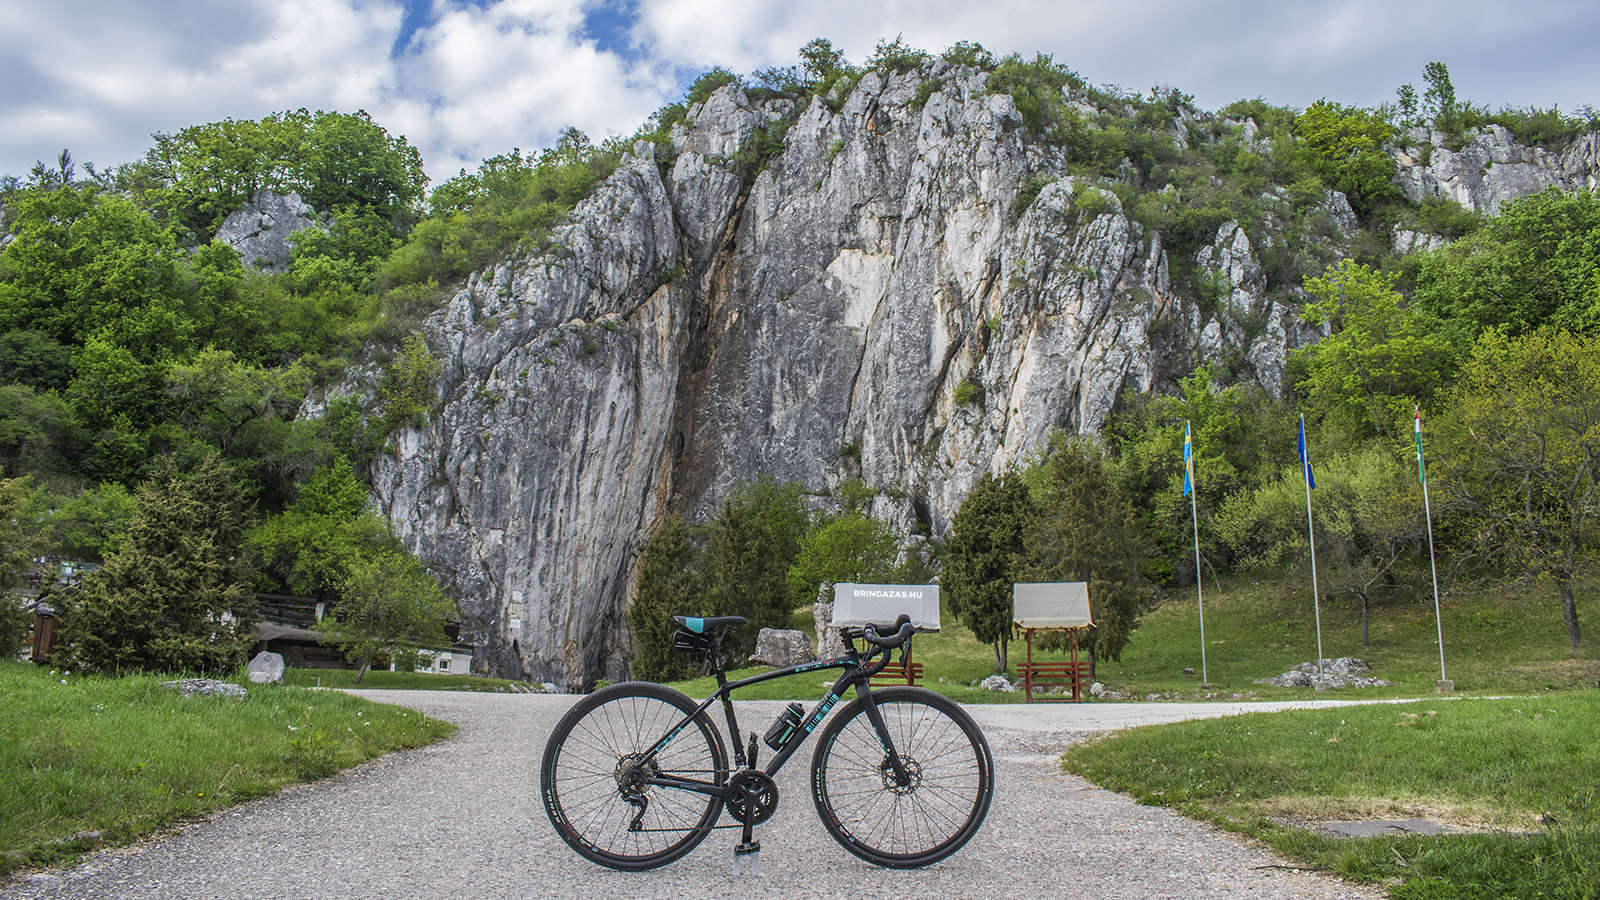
{"x": 859, "y": 675}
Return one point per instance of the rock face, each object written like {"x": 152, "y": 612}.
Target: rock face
{"x": 1491, "y": 167}
{"x": 874, "y": 302}
{"x": 260, "y": 230}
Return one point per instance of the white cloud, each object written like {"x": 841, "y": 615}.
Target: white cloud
{"x": 483, "y": 76}
{"x": 482, "y": 81}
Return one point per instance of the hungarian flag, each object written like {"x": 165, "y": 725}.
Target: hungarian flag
{"x": 1188, "y": 462}
{"x": 1422, "y": 469}
{"x": 1305, "y": 464}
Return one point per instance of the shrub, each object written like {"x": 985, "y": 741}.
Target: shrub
{"x": 968, "y": 393}
{"x": 897, "y": 57}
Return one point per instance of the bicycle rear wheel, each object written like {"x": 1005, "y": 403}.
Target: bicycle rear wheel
{"x": 591, "y": 774}
{"x": 911, "y": 825}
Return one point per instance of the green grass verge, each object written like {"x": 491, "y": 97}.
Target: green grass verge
{"x": 1519, "y": 771}
{"x": 86, "y": 761}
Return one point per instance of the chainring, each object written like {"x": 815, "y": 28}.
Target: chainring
{"x": 752, "y": 796}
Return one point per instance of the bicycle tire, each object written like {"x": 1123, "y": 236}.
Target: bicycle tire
{"x": 918, "y": 824}
{"x": 583, "y": 775}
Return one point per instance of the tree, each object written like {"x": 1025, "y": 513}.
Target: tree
{"x": 853, "y": 547}
{"x": 175, "y": 596}
{"x": 668, "y": 585}
{"x": 313, "y": 546}
{"x": 1537, "y": 263}
{"x": 742, "y": 576}
{"x": 390, "y": 605}
{"x": 987, "y": 543}
{"x": 1345, "y": 146}
{"x": 1439, "y": 100}
{"x": 1368, "y": 516}
{"x": 783, "y": 508}
{"x": 333, "y": 160}
{"x": 1519, "y": 453}
{"x": 1239, "y": 436}
{"x": 1383, "y": 358}
{"x": 20, "y": 542}
{"x": 1087, "y": 530}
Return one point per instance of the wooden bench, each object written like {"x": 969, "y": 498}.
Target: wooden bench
{"x": 1069, "y": 675}
{"x": 895, "y": 673}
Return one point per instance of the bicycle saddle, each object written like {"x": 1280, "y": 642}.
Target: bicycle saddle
{"x": 708, "y": 625}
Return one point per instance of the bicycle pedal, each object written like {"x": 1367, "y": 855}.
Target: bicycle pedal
{"x": 751, "y": 850}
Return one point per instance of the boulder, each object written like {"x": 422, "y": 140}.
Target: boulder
{"x": 780, "y": 647}
{"x": 205, "y": 687}
{"x": 267, "y": 668}
{"x": 998, "y": 684}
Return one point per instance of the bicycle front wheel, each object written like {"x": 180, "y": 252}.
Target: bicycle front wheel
{"x": 592, "y": 776}
{"x": 903, "y": 826}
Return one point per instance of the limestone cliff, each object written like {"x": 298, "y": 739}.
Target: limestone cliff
{"x": 688, "y": 327}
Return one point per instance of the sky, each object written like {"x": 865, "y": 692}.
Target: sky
{"x": 463, "y": 80}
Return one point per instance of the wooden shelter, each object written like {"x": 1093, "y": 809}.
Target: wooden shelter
{"x": 1037, "y": 609}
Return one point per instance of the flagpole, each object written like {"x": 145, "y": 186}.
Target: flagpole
{"x": 1427, "y": 511}
{"x": 1316, "y": 601}
{"x": 1194, "y": 516}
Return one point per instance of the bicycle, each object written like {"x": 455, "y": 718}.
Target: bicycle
{"x": 636, "y": 775}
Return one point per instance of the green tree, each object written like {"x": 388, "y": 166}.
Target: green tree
{"x": 1537, "y": 263}
{"x": 408, "y": 385}
{"x": 1239, "y": 436}
{"x": 35, "y": 359}
{"x": 986, "y": 548}
{"x": 1439, "y": 100}
{"x": 1369, "y": 525}
{"x": 391, "y": 605}
{"x": 333, "y": 160}
{"x": 1519, "y": 455}
{"x": 175, "y": 596}
{"x": 20, "y": 542}
{"x": 1383, "y": 358}
{"x": 853, "y": 547}
{"x": 1346, "y": 147}
{"x": 83, "y": 263}
{"x": 668, "y": 585}
{"x": 783, "y": 508}
{"x": 1087, "y": 530}
{"x": 311, "y": 549}
{"x": 742, "y": 577}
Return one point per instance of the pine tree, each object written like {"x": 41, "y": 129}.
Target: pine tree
{"x": 986, "y": 544}
{"x": 175, "y": 596}
{"x": 744, "y": 576}
{"x": 1087, "y": 531}
{"x": 668, "y": 586}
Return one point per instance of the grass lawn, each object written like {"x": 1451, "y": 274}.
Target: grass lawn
{"x": 1519, "y": 773}
{"x": 1494, "y": 643}
{"x": 88, "y": 760}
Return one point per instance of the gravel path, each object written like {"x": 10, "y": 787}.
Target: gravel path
{"x": 462, "y": 819}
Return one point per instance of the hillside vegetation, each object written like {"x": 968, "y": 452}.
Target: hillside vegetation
{"x": 137, "y": 348}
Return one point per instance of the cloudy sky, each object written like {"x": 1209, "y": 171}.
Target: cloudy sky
{"x": 465, "y": 79}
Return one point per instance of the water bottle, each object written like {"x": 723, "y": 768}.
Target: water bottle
{"x": 784, "y": 729}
